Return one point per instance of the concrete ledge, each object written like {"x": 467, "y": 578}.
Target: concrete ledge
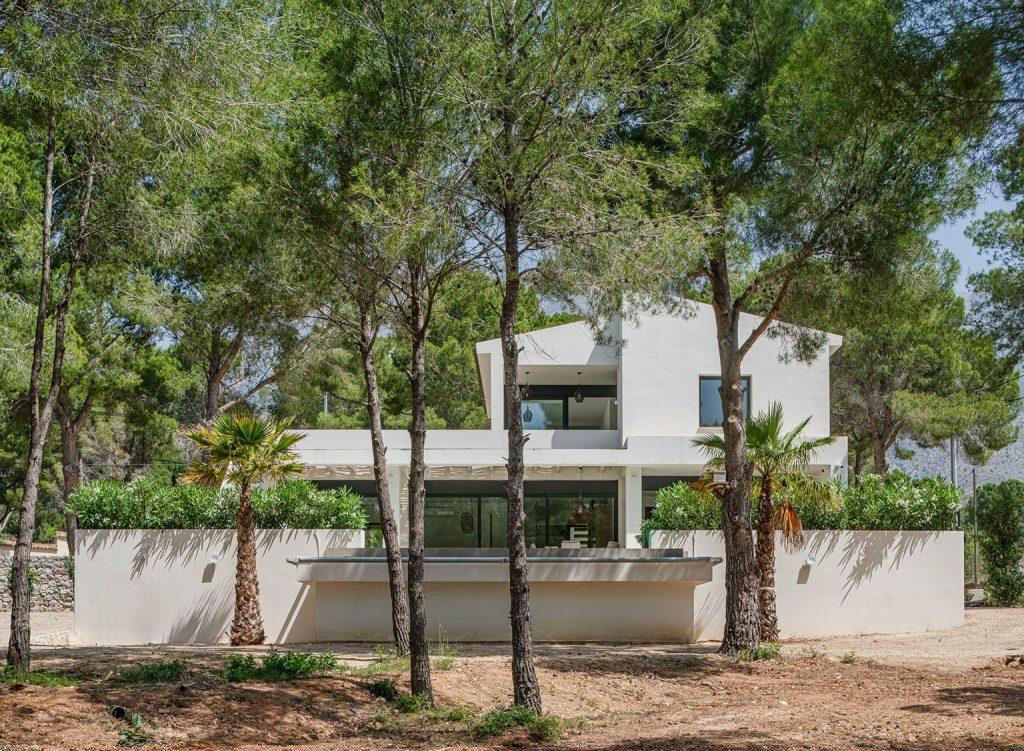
{"x": 491, "y": 565}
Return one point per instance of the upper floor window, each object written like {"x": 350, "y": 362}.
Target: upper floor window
{"x": 576, "y": 407}
{"x": 711, "y": 415}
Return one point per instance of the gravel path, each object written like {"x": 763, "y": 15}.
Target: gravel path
{"x": 47, "y": 628}
{"x": 987, "y": 634}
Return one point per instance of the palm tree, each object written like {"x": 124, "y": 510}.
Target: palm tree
{"x": 779, "y": 458}
{"x": 242, "y": 449}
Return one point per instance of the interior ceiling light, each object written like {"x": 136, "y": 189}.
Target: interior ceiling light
{"x": 528, "y": 414}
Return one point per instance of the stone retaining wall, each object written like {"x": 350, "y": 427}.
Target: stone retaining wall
{"x": 53, "y": 588}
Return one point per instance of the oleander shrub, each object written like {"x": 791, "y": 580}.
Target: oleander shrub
{"x": 1001, "y": 540}
{"x": 680, "y": 506}
{"x": 893, "y": 502}
{"x": 145, "y": 503}
{"x": 897, "y": 502}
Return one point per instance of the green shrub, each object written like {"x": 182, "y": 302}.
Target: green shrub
{"x": 898, "y": 502}
{"x": 893, "y": 502}
{"x": 386, "y": 689}
{"x": 278, "y": 666}
{"x": 145, "y": 503}
{"x": 679, "y": 506}
{"x": 1001, "y": 540}
{"x": 239, "y": 668}
{"x": 543, "y": 727}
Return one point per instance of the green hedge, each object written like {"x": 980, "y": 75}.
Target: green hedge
{"x": 893, "y": 502}
{"x": 147, "y": 504}
{"x": 1001, "y": 540}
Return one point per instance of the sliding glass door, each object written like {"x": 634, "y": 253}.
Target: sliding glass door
{"x": 551, "y": 518}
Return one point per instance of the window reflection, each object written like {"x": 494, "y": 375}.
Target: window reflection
{"x": 542, "y": 414}
{"x": 482, "y": 521}
{"x": 711, "y": 414}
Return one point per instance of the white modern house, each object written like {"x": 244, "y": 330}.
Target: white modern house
{"x": 607, "y": 426}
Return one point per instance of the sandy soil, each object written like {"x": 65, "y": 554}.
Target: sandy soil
{"x": 948, "y": 690}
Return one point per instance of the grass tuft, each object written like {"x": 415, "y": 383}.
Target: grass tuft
{"x": 544, "y": 727}
{"x": 444, "y": 657}
{"x": 849, "y": 658}
{"x": 154, "y": 672}
{"x": 763, "y": 652}
{"x": 36, "y": 678}
{"x": 385, "y": 660}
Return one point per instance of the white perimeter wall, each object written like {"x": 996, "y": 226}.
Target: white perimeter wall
{"x": 159, "y": 586}
{"x": 862, "y": 582}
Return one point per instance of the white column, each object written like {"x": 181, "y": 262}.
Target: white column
{"x": 395, "y": 485}
{"x": 634, "y": 505}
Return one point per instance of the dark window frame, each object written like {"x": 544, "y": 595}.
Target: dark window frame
{"x": 746, "y": 393}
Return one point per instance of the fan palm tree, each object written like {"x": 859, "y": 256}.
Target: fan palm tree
{"x": 242, "y": 449}
{"x": 779, "y": 458}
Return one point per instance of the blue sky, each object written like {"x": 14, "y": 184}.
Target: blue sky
{"x": 952, "y": 237}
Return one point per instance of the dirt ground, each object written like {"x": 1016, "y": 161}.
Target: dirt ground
{"x": 944, "y": 690}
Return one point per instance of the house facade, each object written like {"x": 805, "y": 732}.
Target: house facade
{"x": 607, "y": 426}
{"x": 609, "y": 421}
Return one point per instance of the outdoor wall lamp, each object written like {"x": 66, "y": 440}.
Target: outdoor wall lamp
{"x": 810, "y": 560}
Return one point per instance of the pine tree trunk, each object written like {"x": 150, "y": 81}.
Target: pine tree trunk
{"x": 742, "y": 623}
{"x": 766, "y": 562}
{"x": 879, "y": 449}
{"x": 71, "y": 424}
{"x": 419, "y": 648}
{"x": 214, "y": 379}
{"x": 388, "y": 523}
{"x": 41, "y": 417}
{"x": 247, "y": 628}
{"x": 526, "y": 689}
{"x": 69, "y": 471}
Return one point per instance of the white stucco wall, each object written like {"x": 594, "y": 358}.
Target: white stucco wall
{"x": 862, "y": 582}
{"x": 478, "y": 611}
{"x": 159, "y": 586}
{"x": 663, "y": 357}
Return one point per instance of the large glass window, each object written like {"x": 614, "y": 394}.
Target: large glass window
{"x": 711, "y": 415}
{"x": 542, "y": 414}
{"x": 452, "y": 524}
{"x": 594, "y": 413}
{"x": 570, "y": 407}
{"x": 482, "y": 521}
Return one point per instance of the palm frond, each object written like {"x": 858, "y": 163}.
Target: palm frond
{"x": 243, "y": 448}
{"x": 202, "y": 473}
{"x": 787, "y": 520}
